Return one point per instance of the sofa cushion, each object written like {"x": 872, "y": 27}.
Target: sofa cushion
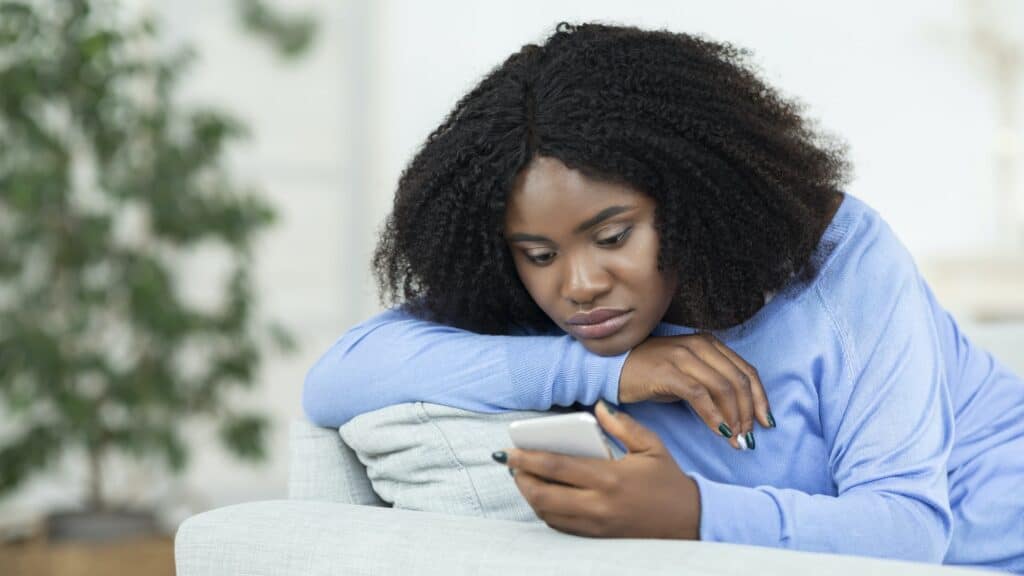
{"x": 325, "y": 538}
{"x": 435, "y": 458}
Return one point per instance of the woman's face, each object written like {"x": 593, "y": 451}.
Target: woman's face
{"x": 587, "y": 252}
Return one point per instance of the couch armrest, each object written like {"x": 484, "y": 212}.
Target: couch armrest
{"x": 304, "y": 537}
{"x": 324, "y": 468}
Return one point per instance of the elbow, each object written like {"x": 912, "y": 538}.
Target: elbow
{"x": 941, "y": 535}
{"x": 933, "y": 522}
{"x": 330, "y": 378}
{"x": 315, "y": 399}
{"x": 931, "y": 549}
{"x": 325, "y": 384}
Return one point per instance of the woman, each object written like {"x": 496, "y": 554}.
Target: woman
{"x": 635, "y": 217}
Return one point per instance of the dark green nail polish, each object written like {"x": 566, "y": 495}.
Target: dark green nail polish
{"x": 750, "y": 440}
{"x": 500, "y": 457}
{"x": 771, "y": 419}
{"x": 512, "y": 472}
{"x": 725, "y": 430}
{"x": 608, "y": 407}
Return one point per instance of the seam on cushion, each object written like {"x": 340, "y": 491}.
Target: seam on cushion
{"x": 473, "y": 498}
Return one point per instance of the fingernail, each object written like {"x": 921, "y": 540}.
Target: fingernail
{"x": 750, "y": 440}
{"x": 742, "y": 442}
{"x": 500, "y": 457}
{"x": 771, "y": 419}
{"x": 512, "y": 472}
{"x": 725, "y": 430}
{"x": 607, "y": 406}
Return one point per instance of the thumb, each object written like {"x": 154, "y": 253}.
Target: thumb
{"x": 633, "y": 435}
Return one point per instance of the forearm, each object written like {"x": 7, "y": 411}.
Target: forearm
{"x": 395, "y": 358}
{"x": 885, "y": 524}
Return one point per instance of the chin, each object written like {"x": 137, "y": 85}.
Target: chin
{"x": 610, "y": 346}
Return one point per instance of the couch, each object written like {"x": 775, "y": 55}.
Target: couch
{"x": 335, "y": 521}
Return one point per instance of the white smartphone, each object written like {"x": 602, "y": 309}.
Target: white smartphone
{"x": 575, "y": 434}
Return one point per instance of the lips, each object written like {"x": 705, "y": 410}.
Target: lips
{"x": 599, "y": 323}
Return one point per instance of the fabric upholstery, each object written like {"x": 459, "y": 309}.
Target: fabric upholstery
{"x": 435, "y": 458}
{"x": 429, "y": 457}
{"x": 290, "y": 537}
{"x": 320, "y": 532}
{"x": 323, "y": 468}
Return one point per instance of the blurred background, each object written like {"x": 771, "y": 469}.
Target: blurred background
{"x": 328, "y": 100}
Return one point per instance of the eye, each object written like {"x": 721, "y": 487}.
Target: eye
{"x": 539, "y": 258}
{"x": 616, "y": 239}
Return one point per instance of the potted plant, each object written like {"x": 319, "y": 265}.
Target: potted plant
{"x": 106, "y": 182}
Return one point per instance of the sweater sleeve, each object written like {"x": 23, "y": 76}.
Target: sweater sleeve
{"x": 888, "y": 421}
{"x": 395, "y": 357}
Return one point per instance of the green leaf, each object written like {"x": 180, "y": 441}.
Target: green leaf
{"x": 98, "y": 44}
{"x": 169, "y": 443}
{"x": 17, "y": 21}
{"x": 152, "y": 300}
{"x": 289, "y": 35}
{"x": 281, "y": 337}
{"x": 245, "y": 435}
{"x": 33, "y": 450}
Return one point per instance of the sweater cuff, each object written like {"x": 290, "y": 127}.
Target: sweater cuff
{"x": 603, "y": 372}
{"x": 737, "y": 514}
{"x": 560, "y": 371}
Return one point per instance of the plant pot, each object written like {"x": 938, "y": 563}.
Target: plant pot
{"x": 100, "y": 525}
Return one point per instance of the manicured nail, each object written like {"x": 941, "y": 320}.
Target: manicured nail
{"x": 607, "y": 406}
{"x": 725, "y": 430}
{"x": 512, "y": 472}
{"x": 750, "y": 440}
{"x": 500, "y": 457}
{"x": 742, "y": 441}
{"x": 771, "y": 419}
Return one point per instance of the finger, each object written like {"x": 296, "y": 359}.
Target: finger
{"x": 762, "y": 409}
{"x": 576, "y": 525}
{"x": 700, "y": 400}
{"x": 715, "y": 384}
{"x": 550, "y": 498}
{"x": 711, "y": 353}
{"x": 574, "y": 471}
{"x": 634, "y": 436}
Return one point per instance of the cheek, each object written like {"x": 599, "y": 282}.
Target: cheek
{"x": 537, "y": 284}
{"x": 636, "y": 263}
{"x": 636, "y": 268}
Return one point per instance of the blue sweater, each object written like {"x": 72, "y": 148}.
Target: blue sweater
{"x": 896, "y": 437}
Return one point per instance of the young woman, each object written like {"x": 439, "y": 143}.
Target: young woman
{"x": 635, "y": 217}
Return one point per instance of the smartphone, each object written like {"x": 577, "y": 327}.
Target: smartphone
{"x": 574, "y": 434}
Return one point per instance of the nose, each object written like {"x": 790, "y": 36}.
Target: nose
{"x": 586, "y": 280}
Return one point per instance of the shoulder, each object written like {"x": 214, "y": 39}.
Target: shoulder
{"x": 868, "y": 283}
{"x": 860, "y": 242}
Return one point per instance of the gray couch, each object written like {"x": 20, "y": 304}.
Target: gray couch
{"x": 334, "y": 522}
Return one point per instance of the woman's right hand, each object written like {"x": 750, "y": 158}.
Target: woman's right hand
{"x": 722, "y": 387}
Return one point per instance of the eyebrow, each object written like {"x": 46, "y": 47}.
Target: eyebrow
{"x": 583, "y": 227}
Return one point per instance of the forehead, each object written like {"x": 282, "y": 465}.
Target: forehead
{"x": 548, "y": 193}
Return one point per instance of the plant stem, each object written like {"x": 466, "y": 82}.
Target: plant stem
{"x": 95, "y": 499}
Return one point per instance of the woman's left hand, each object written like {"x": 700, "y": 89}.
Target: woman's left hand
{"x": 642, "y": 495}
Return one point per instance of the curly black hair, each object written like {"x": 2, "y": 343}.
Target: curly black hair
{"x": 743, "y": 185}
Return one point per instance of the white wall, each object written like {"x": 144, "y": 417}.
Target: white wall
{"x": 880, "y": 74}
{"x": 332, "y": 133}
